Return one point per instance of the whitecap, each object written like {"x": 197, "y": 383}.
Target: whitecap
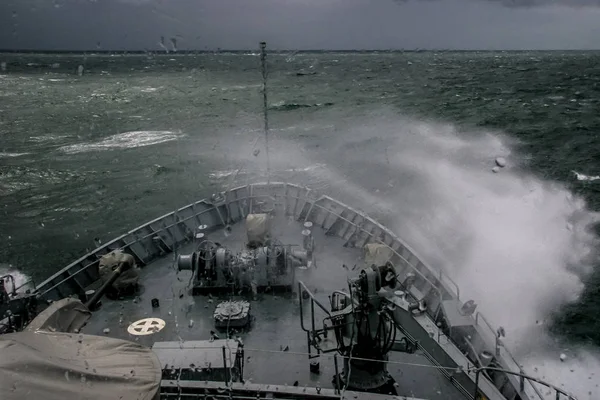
{"x": 224, "y": 174}
{"x": 307, "y": 169}
{"x": 582, "y": 177}
{"x": 126, "y": 140}
{"x": 8, "y": 155}
{"x": 47, "y": 138}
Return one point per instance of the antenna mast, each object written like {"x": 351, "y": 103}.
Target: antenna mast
{"x": 263, "y": 62}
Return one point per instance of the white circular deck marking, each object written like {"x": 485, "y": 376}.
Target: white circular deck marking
{"x": 146, "y": 326}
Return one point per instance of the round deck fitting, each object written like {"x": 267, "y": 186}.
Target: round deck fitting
{"x": 228, "y": 309}
{"x": 234, "y": 314}
{"x": 146, "y": 326}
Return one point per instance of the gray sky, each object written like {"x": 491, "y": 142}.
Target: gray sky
{"x": 301, "y": 24}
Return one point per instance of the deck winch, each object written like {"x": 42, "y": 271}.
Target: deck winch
{"x": 265, "y": 264}
{"x": 232, "y": 314}
{"x": 364, "y": 330}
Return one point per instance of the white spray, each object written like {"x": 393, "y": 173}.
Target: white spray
{"x": 516, "y": 244}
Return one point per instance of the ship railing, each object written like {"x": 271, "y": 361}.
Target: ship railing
{"x": 313, "y": 300}
{"x": 501, "y": 350}
{"x": 358, "y": 228}
{"x": 329, "y": 364}
{"x": 122, "y": 244}
{"x": 442, "y": 275}
{"x": 287, "y": 383}
{"x": 313, "y": 334}
{"x": 172, "y": 223}
{"x": 560, "y": 394}
{"x": 246, "y": 354}
{"x": 28, "y": 284}
{"x": 374, "y": 239}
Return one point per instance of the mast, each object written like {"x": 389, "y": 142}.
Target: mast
{"x": 263, "y": 62}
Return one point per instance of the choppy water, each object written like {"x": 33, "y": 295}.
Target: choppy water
{"x": 409, "y": 137}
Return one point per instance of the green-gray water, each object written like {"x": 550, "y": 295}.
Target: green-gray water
{"x": 409, "y": 137}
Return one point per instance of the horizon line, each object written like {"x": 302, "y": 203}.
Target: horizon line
{"x": 220, "y": 50}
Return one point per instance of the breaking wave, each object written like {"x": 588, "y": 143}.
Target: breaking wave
{"x": 11, "y": 155}
{"x": 583, "y": 177}
{"x": 125, "y": 140}
{"x": 520, "y": 246}
{"x": 20, "y": 278}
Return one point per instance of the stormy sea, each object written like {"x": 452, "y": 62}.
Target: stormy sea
{"x": 93, "y": 145}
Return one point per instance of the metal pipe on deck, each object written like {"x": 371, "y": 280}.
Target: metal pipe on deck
{"x": 225, "y": 366}
{"x": 100, "y": 292}
{"x": 307, "y": 238}
{"x": 337, "y": 374}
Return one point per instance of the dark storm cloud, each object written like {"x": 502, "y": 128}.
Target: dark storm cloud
{"x": 518, "y": 3}
{"x": 510, "y": 3}
{"x": 539, "y": 3}
{"x": 300, "y": 24}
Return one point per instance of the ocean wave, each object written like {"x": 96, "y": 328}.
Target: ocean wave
{"x": 582, "y": 177}
{"x": 12, "y": 187}
{"x": 47, "y": 138}
{"x": 11, "y": 155}
{"x": 237, "y": 87}
{"x": 15, "y": 179}
{"x": 307, "y": 169}
{"x": 150, "y": 89}
{"x": 283, "y": 106}
{"x": 126, "y": 140}
{"x": 225, "y": 174}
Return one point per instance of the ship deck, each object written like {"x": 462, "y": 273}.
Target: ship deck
{"x": 275, "y": 346}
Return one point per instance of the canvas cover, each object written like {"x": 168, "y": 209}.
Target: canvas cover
{"x": 377, "y": 254}
{"x": 63, "y": 366}
{"x": 130, "y": 275}
{"x": 257, "y": 229}
{"x": 65, "y": 315}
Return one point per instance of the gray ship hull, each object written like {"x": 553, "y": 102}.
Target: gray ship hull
{"x": 275, "y": 359}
